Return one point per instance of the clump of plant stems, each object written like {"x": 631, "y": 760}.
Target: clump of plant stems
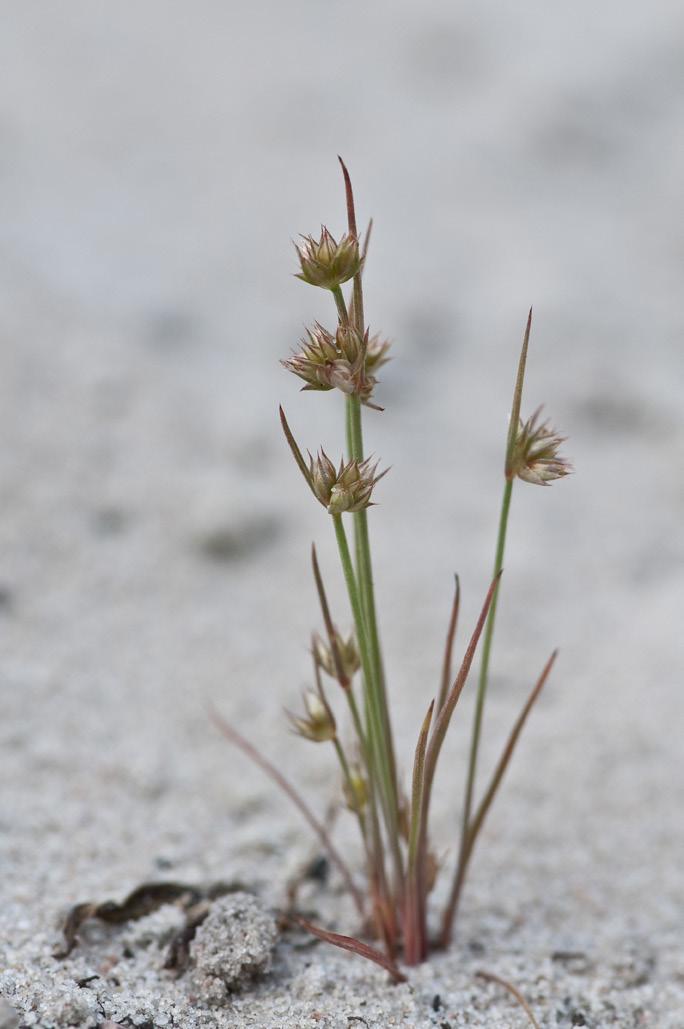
{"x": 394, "y": 828}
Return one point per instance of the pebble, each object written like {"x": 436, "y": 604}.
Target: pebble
{"x": 232, "y": 947}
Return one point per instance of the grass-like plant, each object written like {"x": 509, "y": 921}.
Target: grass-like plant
{"x": 394, "y": 828}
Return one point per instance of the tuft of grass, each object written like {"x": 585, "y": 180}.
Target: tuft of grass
{"x": 394, "y": 830}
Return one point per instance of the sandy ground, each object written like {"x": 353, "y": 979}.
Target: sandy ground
{"x": 156, "y": 161}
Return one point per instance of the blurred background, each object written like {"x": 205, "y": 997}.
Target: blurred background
{"x": 156, "y": 161}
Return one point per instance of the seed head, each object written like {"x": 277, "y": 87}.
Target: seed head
{"x": 351, "y": 345}
{"x": 318, "y": 362}
{"x": 347, "y": 651}
{"x": 355, "y": 790}
{"x": 319, "y": 723}
{"x": 376, "y": 352}
{"x": 326, "y": 263}
{"x": 534, "y": 455}
{"x": 322, "y": 477}
{"x": 328, "y": 362}
{"x": 347, "y": 489}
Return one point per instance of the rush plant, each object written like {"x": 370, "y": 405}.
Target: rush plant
{"x": 400, "y": 867}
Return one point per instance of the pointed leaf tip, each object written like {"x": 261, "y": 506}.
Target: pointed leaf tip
{"x": 353, "y": 945}
{"x": 349, "y": 195}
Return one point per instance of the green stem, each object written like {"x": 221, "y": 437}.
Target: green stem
{"x": 367, "y": 590}
{"x": 340, "y": 304}
{"x": 376, "y": 696}
{"x": 482, "y": 684}
{"x": 374, "y": 847}
{"x": 380, "y": 762}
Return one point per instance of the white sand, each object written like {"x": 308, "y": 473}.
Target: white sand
{"x": 156, "y": 160}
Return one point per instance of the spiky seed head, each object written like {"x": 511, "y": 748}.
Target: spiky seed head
{"x": 322, "y": 654}
{"x": 312, "y": 363}
{"x": 327, "y": 263}
{"x": 351, "y": 345}
{"x": 376, "y": 352}
{"x": 355, "y": 790}
{"x": 318, "y": 724}
{"x": 535, "y": 453}
{"x": 347, "y": 652}
{"x": 323, "y": 476}
{"x": 347, "y": 489}
{"x": 328, "y": 362}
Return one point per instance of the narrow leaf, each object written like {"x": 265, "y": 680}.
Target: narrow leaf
{"x": 366, "y": 242}
{"x": 449, "y": 646}
{"x": 351, "y": 221}
{"x": 491, "y": 978}
{"x": 351, "y": 211}
{"x": 505, "y": 758}
{"x": 417, "y": 787}
{"x": 342, "y": 677}
{"x": 472, "y": 830}
{"x": 517, "y": 395}
{"x": 296, "y": 452}
{"x": 272, "y": 772}
{"x": 350, "y": 943}
{"x": 444, "y": 717}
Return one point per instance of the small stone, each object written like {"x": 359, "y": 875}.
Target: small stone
{"x": 231, "y": 947}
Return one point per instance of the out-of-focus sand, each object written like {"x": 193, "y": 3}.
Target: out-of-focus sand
{"x": 155, "y": 161}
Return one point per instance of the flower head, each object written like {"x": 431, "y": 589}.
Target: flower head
{"x": 376, "y": 352}
{"x": 534, "y": 455}
{"x": 355, "y": 790}
{"x": 347, "y": 653}
{"x": 326, "y": 263}
{"x": 348, "y": 488}
{"x": 319, "y": 723}
{"x": 328, "y": 362}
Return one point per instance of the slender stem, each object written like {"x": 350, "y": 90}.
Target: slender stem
{"x": 382, "y": 910}
{"x": 367, "y": 590}
{"x": 489, "y": 632}
{"x": 379, "y": 752}
{"x": 357, "y": 611}
{"x": 375, "y": 723}
{"x": 340, "y": 304}
{"x": 483, "y": 680}
{"x": 487, "y": 800}
{"x": 348, "y": 430}
{"x": 380, "y": 730}
{"x": 445, "y": 715}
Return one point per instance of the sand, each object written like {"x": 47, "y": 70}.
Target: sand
{"x": 155, "y": 165}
